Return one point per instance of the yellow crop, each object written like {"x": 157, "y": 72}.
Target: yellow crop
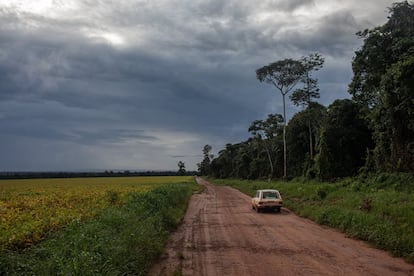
{"x": 30, "y": 208}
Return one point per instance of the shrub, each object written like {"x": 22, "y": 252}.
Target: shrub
{"x": 112, "y": 197}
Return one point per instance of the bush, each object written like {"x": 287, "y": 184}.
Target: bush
{"x": 112, "y": 197}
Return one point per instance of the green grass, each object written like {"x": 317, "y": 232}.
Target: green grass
{"x": 121, "y": 240}
{"x": 388, "y": 224}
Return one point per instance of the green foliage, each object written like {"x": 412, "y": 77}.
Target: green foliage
{"x": 321, "y": 193}
{"x": 283, "y": 74}
{"x": 113, "y": 197}
{"x": 383, "y": 46}
{"x": 345, "y": 138}
{"x": 384, "y": 81}
{"x": 204, "y": 166}
{"x": 302, "y": 130}
{"x": 269, "y": 128}
{"x": 388, "y": 224}
{"x": 401, "y": 182}
{"x": 250, "y": 159}
{"x": 264, "y": 132}
{"x": 394, "y": 118}
{"x": 122, "y": 240}
{"x": 181, "y": 168}
{"x": 304, "y": 96}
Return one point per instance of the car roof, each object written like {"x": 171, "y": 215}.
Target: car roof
{"x": 268, "y": 190}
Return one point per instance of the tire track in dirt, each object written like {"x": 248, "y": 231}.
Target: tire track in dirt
{"x": 221, "y": 235}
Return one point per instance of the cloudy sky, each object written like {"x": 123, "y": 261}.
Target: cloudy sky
{"x": 143, "y": 84}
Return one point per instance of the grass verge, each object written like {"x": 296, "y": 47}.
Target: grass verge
{"x": 121, "y": 240}
{"x": 379, "y": 210}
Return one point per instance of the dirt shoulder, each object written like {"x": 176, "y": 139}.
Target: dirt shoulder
{"x": 222, "y": 235}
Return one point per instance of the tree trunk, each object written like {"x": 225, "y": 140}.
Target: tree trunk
{"x": 270, "y": 159}
{"x": 284, "y": 138}
{"x": 310, "y": 141}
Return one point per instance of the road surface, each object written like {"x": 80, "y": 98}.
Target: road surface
{"x": 222, "y": 235}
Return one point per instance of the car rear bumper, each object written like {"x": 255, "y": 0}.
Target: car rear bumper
{"x": 269, "y": 205}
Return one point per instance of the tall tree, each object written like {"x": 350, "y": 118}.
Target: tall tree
{"x": 204, "y": 166}
{"x": 283, "y": 75}
{"x": 297, "y": 137}
{"x": 304, "y": 96}
{"x": 383, "y": 81}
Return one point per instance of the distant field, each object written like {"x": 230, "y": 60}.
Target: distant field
{"x": 31, "y": 208}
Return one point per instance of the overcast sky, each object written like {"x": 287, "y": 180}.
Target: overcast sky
{"x": 143, "y": 84}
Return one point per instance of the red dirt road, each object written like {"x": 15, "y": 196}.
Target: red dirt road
{"x": 222, "y": 235}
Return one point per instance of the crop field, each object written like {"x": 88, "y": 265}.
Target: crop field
{"x": 31, "y": 208}
{"x": 89, "y": 226}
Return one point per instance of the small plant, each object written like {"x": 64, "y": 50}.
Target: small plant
{"x": 366, "y": 205}
{"x": 112, "y": 197}
{"x": 321, "y": 193}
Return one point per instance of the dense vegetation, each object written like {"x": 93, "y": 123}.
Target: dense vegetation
{"x": 379, "y": 210}
{"x": 119, "y": 228}
{"x": 370, "y": 133}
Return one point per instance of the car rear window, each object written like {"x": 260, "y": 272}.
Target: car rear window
{"x": 270, "y": 195}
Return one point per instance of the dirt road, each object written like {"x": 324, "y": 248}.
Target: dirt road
{"x": 222, "y": 235}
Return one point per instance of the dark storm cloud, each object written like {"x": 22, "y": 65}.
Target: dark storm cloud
{"x": 138, "y": 84}
{"x": 333, "y": 36}
{"x": 292, "y": 5}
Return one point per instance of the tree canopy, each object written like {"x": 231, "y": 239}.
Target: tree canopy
{"x": 383, "y": 46}
{"x": 384, "y": 82}
{"x": 304, "y": 96}
{"x": 204, "y": 166}
{"x": 181, "y": 168}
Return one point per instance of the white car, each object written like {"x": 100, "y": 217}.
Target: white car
{"x": 267, "y": 199}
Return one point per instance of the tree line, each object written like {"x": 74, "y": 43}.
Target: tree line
{"x": 371, "y": 132}
{"x": 63, "y": 174}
